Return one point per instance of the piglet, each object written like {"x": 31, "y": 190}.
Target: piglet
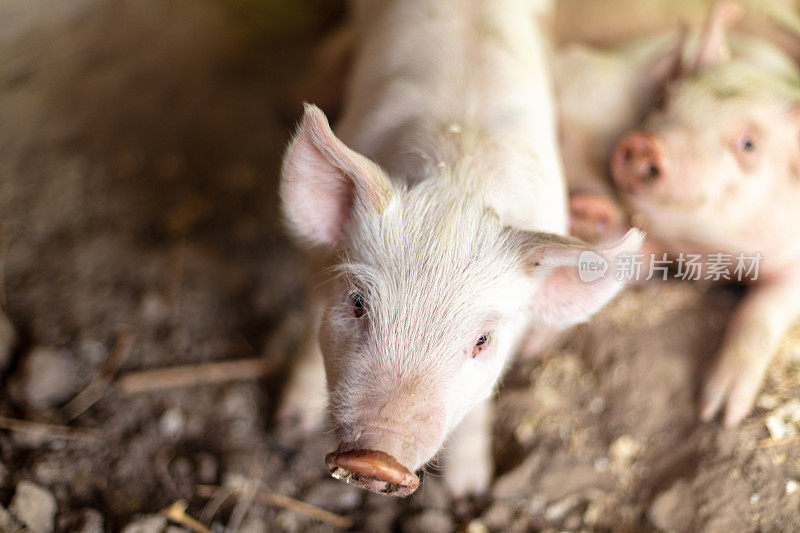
{"x": 436, "y": 216}
{"x": 716, "y": 170}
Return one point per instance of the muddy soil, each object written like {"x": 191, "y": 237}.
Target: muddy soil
{"x": 139, "y": 148}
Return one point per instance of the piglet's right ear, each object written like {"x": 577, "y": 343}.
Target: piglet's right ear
{"x": 714, "y": 46}
{"x": 573, "y": 279}
{"x": 323, "y": 182}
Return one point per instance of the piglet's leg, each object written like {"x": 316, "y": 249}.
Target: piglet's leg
{"x": 302, "y": 406}
{"x": 768, "y": 310}
{"x": 468, "y": 464}
{"x": 596, "y": 218}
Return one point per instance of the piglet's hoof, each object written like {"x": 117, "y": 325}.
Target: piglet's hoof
{"x": 373, "y": 470}
{"x": 595, "y": 218}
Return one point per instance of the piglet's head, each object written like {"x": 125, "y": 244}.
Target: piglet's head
{"x": 720, "y": 147}
{"x": 430, "y": 296}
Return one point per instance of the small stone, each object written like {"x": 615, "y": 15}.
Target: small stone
{"x": 673, "y": 509}
{"x": 792, "y": 486}
{"x": 287, "y": 521}
{"x": 537, "y": 505}
{"x": 597, "y": 405}
{"x": 476, "y": 526}
{"x": 755, "y": 498}
{"x": 558, "y": 511}
{"x": 430, "y": 521}
{"x": 34, "y": 506}
{"x": 151, "y": 523}
{"x": 155, "y": 308}
{"x": 778, "y": 428}
{"x": 172, "y": 423}
{"x": 624, "y": 450}
{"x": 525, "y": 432}
{"x": 92, "y": 522}
{"x": 785, "y": 420}
{"x": 767, "y": 401}
{"x": 46, "y": 377}
{"x": 601, "y": 464}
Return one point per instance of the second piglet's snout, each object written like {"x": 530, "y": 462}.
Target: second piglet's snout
{"x": 638, "y": 162}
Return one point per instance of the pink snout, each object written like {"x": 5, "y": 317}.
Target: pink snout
{"x": 373, "y": 470}
{"x": 638, "y": 162}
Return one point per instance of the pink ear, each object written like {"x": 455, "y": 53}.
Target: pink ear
{"x": 574, "y": 280}
{"x": 323, "y": 182}
{"x": 713, "y": 41}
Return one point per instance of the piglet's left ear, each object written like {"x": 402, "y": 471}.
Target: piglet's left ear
{"x": 574, "y": 280}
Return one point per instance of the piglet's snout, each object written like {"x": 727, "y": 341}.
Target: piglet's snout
{"x": 373, "y": 470}
{"x": 382, "y": 458}
{"x": 379, "y": 452}
{"x": 638, "y": 162}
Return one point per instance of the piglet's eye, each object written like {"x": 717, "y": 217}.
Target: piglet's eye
{"x": 746, "y": 144}
{"x": 357, "y": 304}
{"x": 481, "y": 344}
{"x": 747, "y": 153}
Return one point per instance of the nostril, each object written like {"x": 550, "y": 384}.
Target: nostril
{"x": 651, "y": 174}
{"x": 637, "y": 162}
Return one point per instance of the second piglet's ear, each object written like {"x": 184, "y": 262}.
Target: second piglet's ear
{"x": 713, "y": 47}
{"x": 323, "y": 182}
{"x": 573, "y": 280}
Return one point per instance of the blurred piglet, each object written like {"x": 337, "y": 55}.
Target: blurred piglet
{"x": 601, "y": 94}
{"x": 436, "y": 214}
{"x": 716, "y": 169}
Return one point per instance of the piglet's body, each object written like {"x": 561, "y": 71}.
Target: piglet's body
{"x": 440, "y": 206}
{"x": 716, "y": 169}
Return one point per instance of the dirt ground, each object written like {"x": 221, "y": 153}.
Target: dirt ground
{"x": 139, "y": 148}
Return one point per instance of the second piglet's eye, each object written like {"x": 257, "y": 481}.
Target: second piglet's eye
{"x": 746, "y": 144}
{"x": 481, "y": 344}
{"x": 746, "y": 149}
{"x": 357, "y": 305}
